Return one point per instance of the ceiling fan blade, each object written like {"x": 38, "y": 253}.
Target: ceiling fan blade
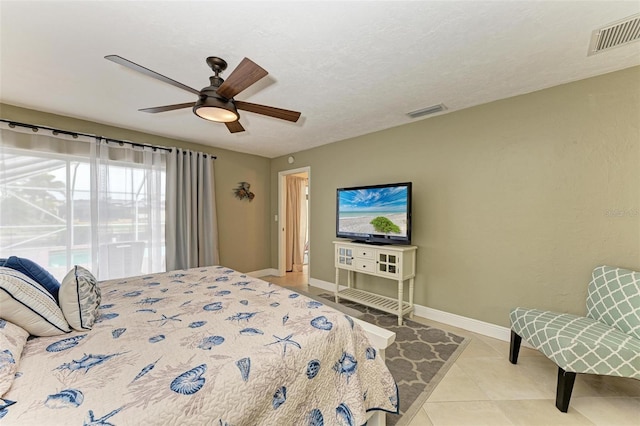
{"x": 234, "y": 126}
{"x": 245, "y": 74}
{"x": 146, "y": 71}
{"x": 154, "y": 110}
{"x": 283, "y": 114}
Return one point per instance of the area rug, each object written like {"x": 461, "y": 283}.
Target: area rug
{"x": 418, "y": 359}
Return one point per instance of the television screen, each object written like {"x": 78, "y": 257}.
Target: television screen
{"x": 375, "y": 213}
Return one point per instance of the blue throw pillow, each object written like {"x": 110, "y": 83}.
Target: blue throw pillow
{"x": 35, "y": 272}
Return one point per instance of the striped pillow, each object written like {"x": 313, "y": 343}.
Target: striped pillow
{"x": 27, "y": 304}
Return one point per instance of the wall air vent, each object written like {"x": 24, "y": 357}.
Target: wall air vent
{"x": 615, "y": 34}
{"x": 426, "y": 111}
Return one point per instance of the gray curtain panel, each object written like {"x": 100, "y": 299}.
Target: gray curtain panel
{"x": 191, "y": 220}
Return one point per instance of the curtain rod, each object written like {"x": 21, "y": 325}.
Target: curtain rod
{"x": 76, "y": 134}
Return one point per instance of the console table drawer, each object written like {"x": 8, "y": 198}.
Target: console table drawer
{"x": 365, "y": 265}
{"x": 365, "y": 253}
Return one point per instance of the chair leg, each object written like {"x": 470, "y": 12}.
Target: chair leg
{"x": 563, "y": 391}
{"x": 514, "y": 348}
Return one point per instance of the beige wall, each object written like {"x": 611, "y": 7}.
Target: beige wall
{"x": 514, "y": 202}
{"x": 243, "y": 226}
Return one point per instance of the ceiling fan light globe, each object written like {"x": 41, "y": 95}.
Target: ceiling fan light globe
{"x": 220, "y": 115}
{"x": 213, "y": 108}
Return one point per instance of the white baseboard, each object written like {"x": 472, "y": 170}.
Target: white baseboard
{"x": 263, "y": 273}
{"x": 469, "y": 324}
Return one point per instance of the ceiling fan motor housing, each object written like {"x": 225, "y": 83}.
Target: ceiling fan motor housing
{"x": 213, "y": 107}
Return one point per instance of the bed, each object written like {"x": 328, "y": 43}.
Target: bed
{"x": 202, "y": 346}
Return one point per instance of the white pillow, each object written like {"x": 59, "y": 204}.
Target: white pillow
{"x": 79, "y": 298}
{"x": 12, "y": 340}
{"x": 27, "y": 304}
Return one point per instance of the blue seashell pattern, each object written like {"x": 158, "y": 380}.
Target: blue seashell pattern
{"x": 4, "y": 406}
{"x": 118, "y": 332}
{"x": 315, "y": 418}
{"x": 370, "y": 353}
{"x": 190, "y": 381}
{"x": 156, "y": 339}
{"x": 279, "y": 397}
{"x": 197, "y": 324}
{"x": 344, "y": 416}
{"x": 346, "y": 365}
{"x": 106, "y": 317}
{"x": 65, "y": 398}
{"x": 65, "y": 344}
{"x": 322, "y": 323}
{"x": 6, "y": 358}
{"x": 244, "y": 365}
{"x": 251, "y": 332}
{"x": 313, "y": 367}
{"x": 211, "y": 341}
{"x": 215, "y": 306}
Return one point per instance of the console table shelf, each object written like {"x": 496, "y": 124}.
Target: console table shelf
{"x": 393, "y": 262}
{"x": 373, "y": 300}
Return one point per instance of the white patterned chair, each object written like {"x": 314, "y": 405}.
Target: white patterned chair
{"x": 606, "y": 341}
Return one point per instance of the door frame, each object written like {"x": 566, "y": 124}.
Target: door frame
{"x": 282, "y": 215}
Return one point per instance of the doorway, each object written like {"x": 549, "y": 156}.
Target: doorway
{"x": 294, "y": 197}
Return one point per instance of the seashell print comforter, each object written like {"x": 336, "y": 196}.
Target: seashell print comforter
{"x": 204, "y": 346}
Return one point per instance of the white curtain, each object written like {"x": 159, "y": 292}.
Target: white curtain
{"x": 127, "y": 209}
{"x": 192, "y": 224}
{"x": 296, "y": 228}
{"x": 68, "y": 201}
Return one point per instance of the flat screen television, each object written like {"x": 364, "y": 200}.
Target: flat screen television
{"x": 376, "y": 214}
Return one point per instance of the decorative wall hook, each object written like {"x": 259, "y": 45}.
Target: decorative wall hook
{"x": 242, "y": 191}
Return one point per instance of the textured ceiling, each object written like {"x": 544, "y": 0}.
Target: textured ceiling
{"x": 351, "y": 68}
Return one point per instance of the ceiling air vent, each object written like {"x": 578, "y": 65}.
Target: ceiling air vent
{"x": 615, "y": 34}
{"x": 426, "y": 111}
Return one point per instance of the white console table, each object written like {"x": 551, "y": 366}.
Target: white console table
{"x": 394, "y": 262}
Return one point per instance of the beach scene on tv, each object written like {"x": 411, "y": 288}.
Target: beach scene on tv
{"x": 373, "y": 211}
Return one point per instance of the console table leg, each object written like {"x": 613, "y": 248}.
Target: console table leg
{"x": 400, "y": 298}
{"x": 337, "y": 286}
{"x": 411, "y": 281}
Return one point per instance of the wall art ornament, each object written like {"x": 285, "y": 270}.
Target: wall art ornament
{"x": 242, "y": 191}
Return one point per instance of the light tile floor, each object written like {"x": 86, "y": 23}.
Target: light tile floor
{"x": 483, "y": 388}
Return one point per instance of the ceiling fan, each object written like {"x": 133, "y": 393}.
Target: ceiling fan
{"x": 215, "y": 102}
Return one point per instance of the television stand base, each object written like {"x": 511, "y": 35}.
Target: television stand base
{"x": 394, "y": 262}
